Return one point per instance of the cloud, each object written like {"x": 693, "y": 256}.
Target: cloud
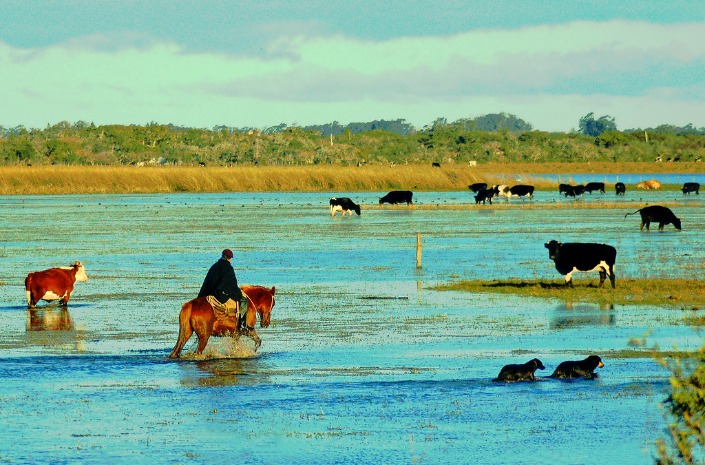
{"x": 539, "y": 73}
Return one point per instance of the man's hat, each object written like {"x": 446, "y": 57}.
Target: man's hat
{"x": 227, "y": 253}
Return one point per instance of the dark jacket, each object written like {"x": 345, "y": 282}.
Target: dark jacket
{"x": 221, "y": 282}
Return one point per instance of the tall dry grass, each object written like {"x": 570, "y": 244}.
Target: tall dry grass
{"x": 24, "y": 180}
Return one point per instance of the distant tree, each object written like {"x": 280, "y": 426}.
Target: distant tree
{"x": 501, "y": 121}
{"x": 594, "y": 127}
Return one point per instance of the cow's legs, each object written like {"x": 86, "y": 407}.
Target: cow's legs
{"x": 660, "y": 226}
{"x": 603, "y": 276}
{"x": 569, "y": 279}
{"x": 612, "y": 276}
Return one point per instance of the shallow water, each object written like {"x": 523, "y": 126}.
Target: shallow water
{"x": 363, "y": 362}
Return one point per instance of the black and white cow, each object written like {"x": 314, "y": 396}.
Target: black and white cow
{"x": 689, "y": 187}
{"x": 585, "y": 257}
{"x": 343, "y": 205}
{"x": 395, "y": 197}
{"x": 478, "y": 186}
{"x": 595, "y": 186}
{"x": 657, "y": 214}
{"x": 620, "y": 188}
{"x": 520, "y": 190}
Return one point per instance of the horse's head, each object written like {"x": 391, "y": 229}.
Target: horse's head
{"x": 263, "y": 301}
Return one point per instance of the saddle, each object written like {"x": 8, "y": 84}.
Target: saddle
{"x": 222, "y": 312}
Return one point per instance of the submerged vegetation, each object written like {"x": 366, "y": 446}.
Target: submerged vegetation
{"x": 684, "y": 294}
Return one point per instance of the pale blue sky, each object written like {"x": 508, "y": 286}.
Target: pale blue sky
{"x": 250, "y": 63}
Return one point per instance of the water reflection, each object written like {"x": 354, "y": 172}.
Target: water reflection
{"x": 49, "y": 319}
{"x": 224, "y": 372}
{"x": 572, "y": 315}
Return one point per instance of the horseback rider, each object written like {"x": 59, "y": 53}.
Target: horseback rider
{"x": 221, "y": 283}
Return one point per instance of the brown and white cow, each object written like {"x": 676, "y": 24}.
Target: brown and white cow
{"x": 53, "y": 284}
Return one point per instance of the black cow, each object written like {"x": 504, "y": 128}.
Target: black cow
{"x": 689, "y": 187}
{"x": 657, "y": 214}
{"x": 522, "y": 372}
{"x": 436, "y": 164}
{"x": 578, "y": 190}
{"x": 584, "y": 257}
{"x": 485, "y": 194}
{"x": 565, "y": 189}
{"x": 578, "y": 368}
{"x": 620, "y": 188}
{"x": 395, "y": 197}
{"x": 520, "y": 190}
{"x": 478, "y": 186}
{"x": 595, "y": 186}
{"x": 343, "y": 205}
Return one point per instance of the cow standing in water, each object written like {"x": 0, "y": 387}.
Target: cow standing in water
{"x": 657, "y": 214}
{"x": 620, "y": 188}
{"x": 395, "y": 197}
{"x": 53, "y": 284}
{"x": 520, "y": 190}
{"x": 585, "y": 257}
{"x": 343, "y": 205}
{"x": 689, "y": 187}
{"x": 595, "y": 186}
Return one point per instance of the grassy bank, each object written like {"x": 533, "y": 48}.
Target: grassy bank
{"x": 59, "y": 179}
{"x": 684, "y": 294}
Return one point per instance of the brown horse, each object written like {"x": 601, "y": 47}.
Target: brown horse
{"x": 197, "y": 316}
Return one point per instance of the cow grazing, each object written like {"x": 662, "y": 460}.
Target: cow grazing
{"x": 657, "y": 214}
{"x": 343, "y": 205}
{"x": 650, "y": 184}
{"x": 478, "y": 186}
{"x": 689, "y": 187}
{"x": 583, "y": 257}
{"x": 53, "y": 284}
{"x": 620, "y": 188}
{"x": 565, "y": 189}
{"x": 485, "y": 195}
{"x": 595, "y": 186}
{"x": 578, "y": 369}
{"x": 578, "y": 190}
{"x": 395, "y": 197}
{"x": 520, "y": 190}
{"x": 521, "y": 372}
{"x": 436, "y": 164}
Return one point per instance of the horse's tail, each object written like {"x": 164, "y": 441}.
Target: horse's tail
{"x": 185, "y": 329}
{"x": 632, "y": 213}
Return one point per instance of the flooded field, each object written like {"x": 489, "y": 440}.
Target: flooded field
{"x": 364, "y": 361}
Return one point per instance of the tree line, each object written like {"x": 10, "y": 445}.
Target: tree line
{"x": 497, "y": 137}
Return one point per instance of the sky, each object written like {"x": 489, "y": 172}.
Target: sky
{"x": 254, "y": 63}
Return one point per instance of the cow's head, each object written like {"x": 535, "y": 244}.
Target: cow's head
{"x": 553, "y": 249}
{"x": 81, "y": 275}
{"x": 677, "y": 223}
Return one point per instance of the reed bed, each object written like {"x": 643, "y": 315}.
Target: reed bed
{"x": 60, "y": 179}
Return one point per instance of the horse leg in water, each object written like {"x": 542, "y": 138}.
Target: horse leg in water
{"x": 251, "y": 333}
{"x": 185, "y": 330}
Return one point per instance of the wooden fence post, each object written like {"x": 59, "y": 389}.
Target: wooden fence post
{"x": 418, "y": 250}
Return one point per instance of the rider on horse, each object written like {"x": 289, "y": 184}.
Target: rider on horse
{"x": 221, "y": 284}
